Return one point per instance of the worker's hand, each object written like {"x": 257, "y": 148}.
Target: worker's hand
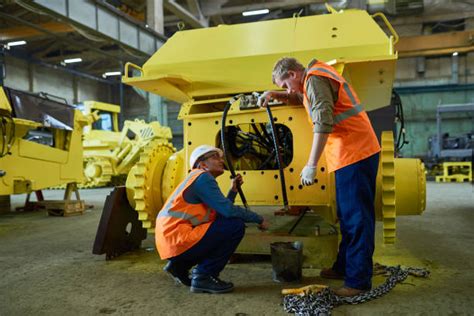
{"x": 237, "y": 182}
{"x": 264, "y": 225}
{"x": 264, "y": 99}
{"x": 307, "y": 175}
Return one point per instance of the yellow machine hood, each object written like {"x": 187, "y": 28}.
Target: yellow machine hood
{"x": 231, "y": 59}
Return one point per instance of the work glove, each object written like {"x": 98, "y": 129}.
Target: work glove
{"x": 307, "y": 175}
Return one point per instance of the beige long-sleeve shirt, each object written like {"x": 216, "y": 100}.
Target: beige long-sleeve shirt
{"x": 322, "y": 94}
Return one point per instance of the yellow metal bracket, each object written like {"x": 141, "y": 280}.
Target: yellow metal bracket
{"x": 132, "y": 65}
{"x": 389, "y": 26}
{"x": 168, "y": 85}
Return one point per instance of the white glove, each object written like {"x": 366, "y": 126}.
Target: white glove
{"x": 307, "y": 175}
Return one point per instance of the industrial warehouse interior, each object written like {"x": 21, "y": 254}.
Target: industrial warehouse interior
{"x": 234, "y": 157}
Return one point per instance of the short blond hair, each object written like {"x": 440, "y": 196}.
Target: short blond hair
{"x": 283, "y": 65}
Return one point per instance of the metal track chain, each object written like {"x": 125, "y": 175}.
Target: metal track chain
{"x": 323, "y": 302}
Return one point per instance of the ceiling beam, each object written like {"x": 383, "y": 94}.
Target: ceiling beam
{"x": 75, "y": 43}
{"x": 430, "y": 18}
{"x": 86, "y": 56}
{"x": 185, "y": 15}
{"x": 24, "y": 32}
{"x": 33, "y": 60}
{"x": 272, "y": 15}
{"x": 436, "y": 44}
{"x": 194, "y": 7}
{"x": 211, "y": 8}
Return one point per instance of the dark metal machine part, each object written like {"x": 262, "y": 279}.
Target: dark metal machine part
{"x": 112, "y": 237}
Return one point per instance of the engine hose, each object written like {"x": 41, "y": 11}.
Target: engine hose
{"x": 278, "y": 158}
{"x": 227, "y": 157}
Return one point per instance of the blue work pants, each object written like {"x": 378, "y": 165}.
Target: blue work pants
{"x": 355, "y": 194}
{"x": 214, "y": 250}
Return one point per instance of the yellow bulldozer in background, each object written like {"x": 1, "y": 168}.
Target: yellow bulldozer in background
{"x": 109, "y": 154}
{"x": 228, "y": 67}
{"x": 40, "y": 143}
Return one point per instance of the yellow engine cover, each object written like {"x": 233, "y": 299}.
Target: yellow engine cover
{"x": 232, "y": 59}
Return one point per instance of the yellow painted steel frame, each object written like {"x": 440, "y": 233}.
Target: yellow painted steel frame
{"x": 32, "y": 166}
{"x": 233, "y": 59}
{"x": 204, "y": 128}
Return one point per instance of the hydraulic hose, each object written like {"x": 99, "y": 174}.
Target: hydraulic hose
{"x": 278, "y": 158}
{"x": 227, "y": 157}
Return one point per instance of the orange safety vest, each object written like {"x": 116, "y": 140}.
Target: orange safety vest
{"x": 179, "y": 224}
{"x": 353, "y": 138}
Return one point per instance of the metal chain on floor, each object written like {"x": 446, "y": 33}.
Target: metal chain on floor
{"x": 323, "y": 302}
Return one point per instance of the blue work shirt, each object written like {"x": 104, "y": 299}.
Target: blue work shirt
{"x": 205, "y": 190}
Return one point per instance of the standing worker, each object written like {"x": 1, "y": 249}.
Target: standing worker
{"x": 342, "y": 128}
{"x": 199, "y": 226}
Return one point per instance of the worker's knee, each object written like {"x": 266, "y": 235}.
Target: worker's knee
{"x": 233, "y": 227}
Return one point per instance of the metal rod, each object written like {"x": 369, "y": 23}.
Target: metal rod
{"x": 298, "y": 221}
{"x": 226, "y": 153}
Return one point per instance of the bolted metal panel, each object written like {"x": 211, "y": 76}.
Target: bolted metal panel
{"x": 128, "y": 33}
{"x": 146, "y": 42}
{"x": 107, "y": 23}
{"x": 83, "y": 12}
{"x": 59, "y": 6}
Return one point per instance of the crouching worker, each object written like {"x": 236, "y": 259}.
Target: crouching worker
{"x": 199, "y": 226}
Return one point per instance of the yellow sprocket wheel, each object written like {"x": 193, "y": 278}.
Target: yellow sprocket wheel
{"x": 97, "y": 173}
{"x": 174, "y": 173}
{"x": 144, "y": 181}
{"x": 389, "y": 214}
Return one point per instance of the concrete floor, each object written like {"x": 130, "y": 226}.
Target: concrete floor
{"x": 47, "y": 268}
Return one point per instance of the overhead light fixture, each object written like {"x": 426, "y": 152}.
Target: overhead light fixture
{"x": 72, "y": 60}
{"x": 111, "y": 73}
{"x": 455, "y": 53}
{"x": 17, "y": 43}
{"x": 255, "y": 12}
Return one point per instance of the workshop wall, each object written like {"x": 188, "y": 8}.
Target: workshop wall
{"x": 21, "y": 75}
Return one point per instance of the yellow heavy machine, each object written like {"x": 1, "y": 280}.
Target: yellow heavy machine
{"x": 231, "y": 65}
{"x": 40, "y": 146}
{"x": 109, "y": 154}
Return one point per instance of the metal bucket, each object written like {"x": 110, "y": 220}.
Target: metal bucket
{"x": 287, "y": 261}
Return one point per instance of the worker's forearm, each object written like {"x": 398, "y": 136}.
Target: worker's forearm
{"x": 319, "y": 141}
{"x": 281, "y": 96}
{"x": 288, "y": 98}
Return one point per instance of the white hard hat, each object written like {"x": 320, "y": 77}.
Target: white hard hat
{"x": 202, "y": 150}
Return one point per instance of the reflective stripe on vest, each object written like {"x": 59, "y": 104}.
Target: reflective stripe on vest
{"x": 167, "y": 212}
{"x": 349, "y": 113}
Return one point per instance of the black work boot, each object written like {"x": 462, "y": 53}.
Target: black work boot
{"x": 205, "y": 283}
{"x": 179, "y": 275}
